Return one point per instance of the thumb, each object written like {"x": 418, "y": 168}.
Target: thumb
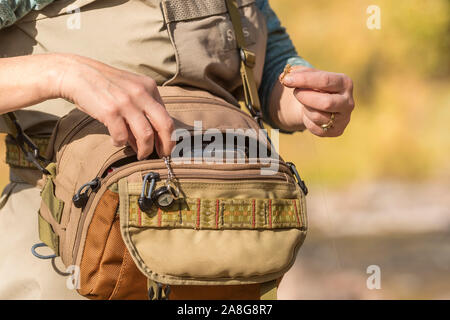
{"x": 285, "y": 78}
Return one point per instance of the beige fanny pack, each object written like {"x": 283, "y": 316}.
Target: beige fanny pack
{"x": 183, "y": 221}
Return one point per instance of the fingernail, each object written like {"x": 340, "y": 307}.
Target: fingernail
{"x": 288, "y": 79}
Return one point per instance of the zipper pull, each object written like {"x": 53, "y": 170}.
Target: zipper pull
{"x": 300, "y": 182}
{"x": 145, "y": 200}
{"x": 81, "y": 197}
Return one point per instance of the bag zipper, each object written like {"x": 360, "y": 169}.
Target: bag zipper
{"x": 185, "y": 174}
{"x": 167, "y": 100}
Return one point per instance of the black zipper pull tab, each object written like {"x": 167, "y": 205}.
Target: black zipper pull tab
{"x": 81, "y": 197}
{"x": 300, "y": 182}
{"x": 145, "y": 200}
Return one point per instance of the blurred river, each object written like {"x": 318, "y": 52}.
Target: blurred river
{"x": 402, "y": 228}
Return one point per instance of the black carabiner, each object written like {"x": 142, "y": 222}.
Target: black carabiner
{"x": 300, "y": 182}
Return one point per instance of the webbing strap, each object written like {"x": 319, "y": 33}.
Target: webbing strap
{"x": 268, "y": 290}
{"x": 29, "y": 150}
{"x": 182, "y": 10}
{"x": 9, "y": 119}
{"x": 15, "y": 156}
{"x": 219, "y": 214}
{"x": 248, "y": 60}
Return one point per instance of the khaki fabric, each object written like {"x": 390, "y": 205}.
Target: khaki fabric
{"x": 125, "y": 34}
{"x": 253, "y": 237}
{"x": 184, "y": 105}
{"x": 206, "y": 46}
{"x": 23, "y": 276}
{"x": 183, "y": 50}
{"x": 134, "y": 36}
{"x": 227, "y": 256}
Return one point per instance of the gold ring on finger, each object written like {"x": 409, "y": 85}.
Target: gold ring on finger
{"x": 330, "y": 123}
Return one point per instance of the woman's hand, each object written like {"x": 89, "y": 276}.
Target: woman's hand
{"x": 308, "y": 100}
{"x": 128, "y": 104}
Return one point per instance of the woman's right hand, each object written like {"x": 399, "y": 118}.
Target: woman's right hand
{"x": 128, "y": 104}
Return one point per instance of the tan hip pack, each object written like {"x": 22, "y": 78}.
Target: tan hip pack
{"x": 190, "y": 220}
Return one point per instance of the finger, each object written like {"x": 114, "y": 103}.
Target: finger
{"x": 322, "y": 101}
{"x": 316, "y": 80}
{"x": 335, "y": 130}
{"x": 314, "y": 128}
{"x": 148, "y": 99}
{"x": 118, "y": 130}
{"x": 132, "y": 140}
{"x": 143, "y": 133}
{"x": 288, "y": 69}
{"x": 163, "y": 125}
{"x": 319, "y": 117}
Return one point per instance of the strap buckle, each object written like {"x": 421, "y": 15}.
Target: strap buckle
{"x": 247, "y": 57}
{"x": 156, "y": 291}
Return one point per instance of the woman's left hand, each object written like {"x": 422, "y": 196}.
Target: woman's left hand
{"x": 326, "y": 100}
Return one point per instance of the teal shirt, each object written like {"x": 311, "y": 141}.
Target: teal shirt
{"x": 280, "y": 49}
{"x": 280, "y": 52}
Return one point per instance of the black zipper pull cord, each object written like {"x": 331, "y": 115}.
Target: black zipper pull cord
{"x": 81, "y": 197}
{"x": 145, "y": 201}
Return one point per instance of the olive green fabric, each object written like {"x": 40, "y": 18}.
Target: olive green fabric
{"x": 47, "y": 235}
{"x": 8, "y": 120}
{"x": 220, "y": 214}
{"x": 55, "y": 206}
{"x": 15, "y": 156}
{"x": 247, "y": 58}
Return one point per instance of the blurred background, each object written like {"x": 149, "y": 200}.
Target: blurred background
{"x": 379, "y": 195}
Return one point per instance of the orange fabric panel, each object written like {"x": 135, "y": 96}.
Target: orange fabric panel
{"x": 107, "y": 270}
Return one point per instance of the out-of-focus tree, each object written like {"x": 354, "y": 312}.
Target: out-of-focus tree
{"x": 401, "y": 74}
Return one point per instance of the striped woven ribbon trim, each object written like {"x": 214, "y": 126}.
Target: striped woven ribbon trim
{"x": 221, "y": 214}
{"x": 15, "y": 156}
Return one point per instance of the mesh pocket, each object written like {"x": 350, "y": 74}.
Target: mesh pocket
{"x": 107, "y": 270}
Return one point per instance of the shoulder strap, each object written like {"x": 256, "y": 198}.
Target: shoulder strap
{"x": 248, "y": 60}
